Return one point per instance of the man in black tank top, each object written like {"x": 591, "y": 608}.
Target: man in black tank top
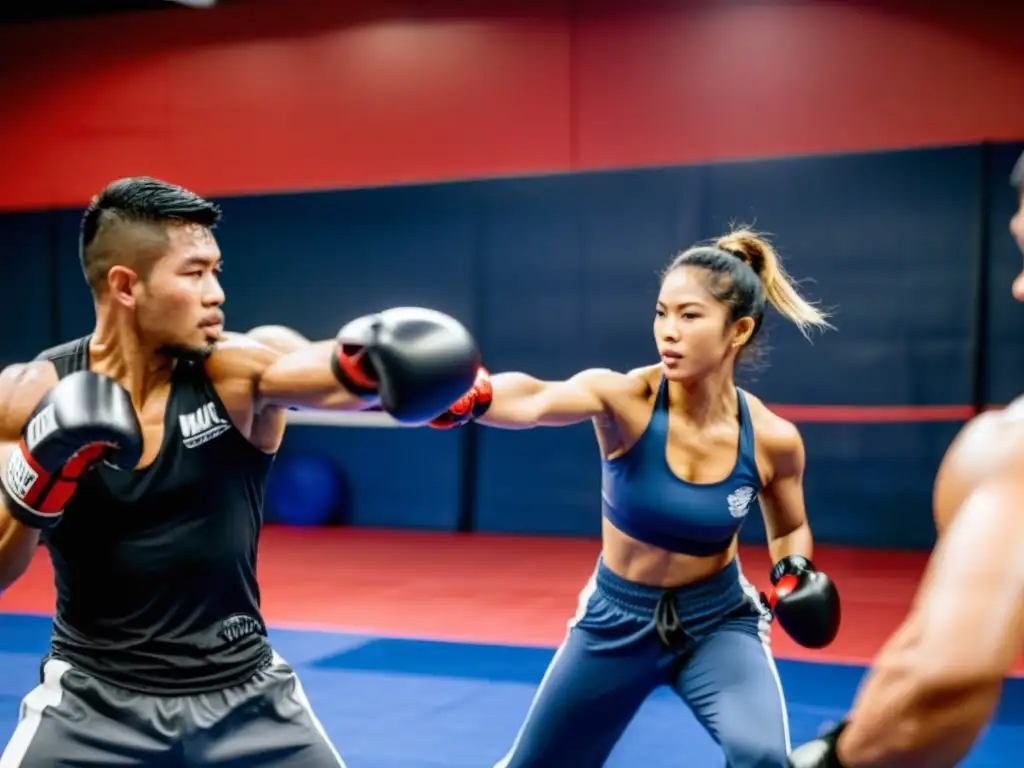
{"x": 138, "y": 455}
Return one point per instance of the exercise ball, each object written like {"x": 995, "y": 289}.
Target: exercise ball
{"x": 305, "y": 491}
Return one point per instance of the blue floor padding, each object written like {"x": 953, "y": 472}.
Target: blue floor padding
{"x": 391, "y": 703}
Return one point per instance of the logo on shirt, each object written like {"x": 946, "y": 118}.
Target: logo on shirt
{"x": 739, "y": 501}
{"x": 202, "y": 425}
{"x": 236, "y": 627}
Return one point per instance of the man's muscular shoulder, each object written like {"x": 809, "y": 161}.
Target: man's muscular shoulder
{"x": 988, "y": 448}
{"x": 247, "y": 355}
{"x": 239, "y": 358}
{"x": 235, "y": 368}
{"x": 22, "y": 386}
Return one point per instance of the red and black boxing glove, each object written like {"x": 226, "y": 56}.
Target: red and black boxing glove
{"x": 416, "y": 361}
{"x": 805, "y": 601}
{"x": 85, "y": 419}
{"x": 471, "y": 405}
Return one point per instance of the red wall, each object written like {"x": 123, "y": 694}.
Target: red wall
{"x": 268, "y": 96}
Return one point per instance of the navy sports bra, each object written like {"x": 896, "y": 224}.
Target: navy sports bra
{"x": 644, "y": 499}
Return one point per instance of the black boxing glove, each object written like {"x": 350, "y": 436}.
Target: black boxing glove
{"x": 86, "y": 418}
{"x": 417, "y": 361}
{"x": 805, "y": 601}
{"x": 471, "y": 405}
{"x": 819, "y": 753}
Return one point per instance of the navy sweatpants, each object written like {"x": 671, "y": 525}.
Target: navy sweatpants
{"x": 707, "y": 640}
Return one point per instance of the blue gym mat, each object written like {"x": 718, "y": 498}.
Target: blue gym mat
{"x": 393, "y": 703}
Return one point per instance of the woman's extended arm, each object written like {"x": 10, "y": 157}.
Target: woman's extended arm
{"x": 521, "y": 401}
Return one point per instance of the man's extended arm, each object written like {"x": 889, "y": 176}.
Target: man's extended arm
{"x": 413, "y": 362}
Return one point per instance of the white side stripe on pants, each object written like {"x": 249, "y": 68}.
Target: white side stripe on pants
{"x": 765, "y": 630}
{"x": 48, "y": 694}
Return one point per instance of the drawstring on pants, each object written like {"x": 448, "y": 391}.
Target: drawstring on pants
{"x": 667, "y": 622}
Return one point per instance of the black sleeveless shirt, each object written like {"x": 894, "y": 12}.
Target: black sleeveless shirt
{"x": 155, "y": 569}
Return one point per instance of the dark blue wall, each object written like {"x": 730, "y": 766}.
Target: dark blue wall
{"x": 556, "y": 274}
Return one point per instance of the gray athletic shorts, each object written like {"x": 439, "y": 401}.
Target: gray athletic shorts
{"x": 73, "y": 720}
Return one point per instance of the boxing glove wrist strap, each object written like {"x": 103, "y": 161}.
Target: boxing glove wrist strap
{"x": 790, "y": 565}
{"x": 350, "y": 373}
{"x": 832, "y": 739}
{"x": 15, "y": 481}
{"x": 821, "y": 752}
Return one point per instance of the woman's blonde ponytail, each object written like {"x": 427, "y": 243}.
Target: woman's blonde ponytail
{"x": 779, "y": 288}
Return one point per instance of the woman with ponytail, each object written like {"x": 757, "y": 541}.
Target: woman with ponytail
{"x": 687, "y": 455}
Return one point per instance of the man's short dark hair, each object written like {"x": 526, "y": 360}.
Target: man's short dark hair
{"x": 140, "y": 206}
